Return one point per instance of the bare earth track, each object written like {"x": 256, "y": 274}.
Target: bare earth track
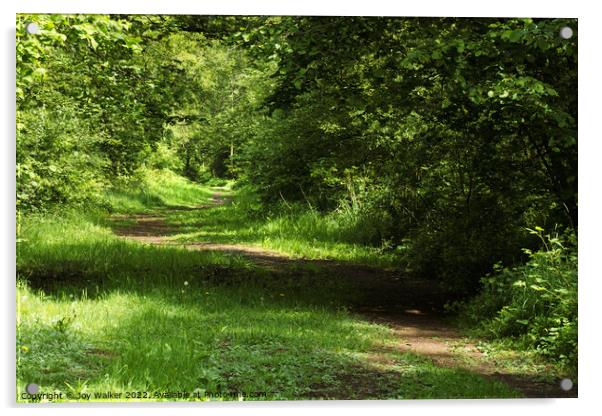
{"x": 407, "y": 306}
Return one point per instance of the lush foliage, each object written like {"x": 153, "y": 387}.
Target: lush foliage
{"x": 426, "y": 144}
{"x": 452, "y": 133}
{"x": 535, "y": 304}
{"x": 100, "y": 96}
{"x": 84, "y": 107}
{"x": 442, "y": 138}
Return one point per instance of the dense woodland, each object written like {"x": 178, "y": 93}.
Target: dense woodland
{"x": 447, "y": 145}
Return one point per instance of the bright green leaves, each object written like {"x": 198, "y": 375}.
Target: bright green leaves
{"x": 88, "y": 32}
{"x": 512, "y": 35}
{"x": 524, "y": 90}
{"x": 84, "y": 112}
{"x": 538, "y": 288}
{"x": 460, "y": 46}
{"x": 536, "y": 303}
{"x": 65, "y": 34}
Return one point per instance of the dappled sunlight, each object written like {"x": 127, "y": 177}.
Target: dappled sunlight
{"x": 227, "y": 316}
{"x": 296, "y": 205}
{"x": 166, "y": 343}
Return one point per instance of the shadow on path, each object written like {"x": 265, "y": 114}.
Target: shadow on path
{"x": 410, "y": 307}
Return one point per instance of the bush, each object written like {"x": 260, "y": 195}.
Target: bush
{"x": 164, "y": 157}
{"x": 56, "y": 162}
{"x": 534, "y": 304}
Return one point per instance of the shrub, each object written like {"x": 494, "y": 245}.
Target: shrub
{"x": 534, "y": 304}
{"x": 164, "y": 157}
{"x": 56, "y": 163}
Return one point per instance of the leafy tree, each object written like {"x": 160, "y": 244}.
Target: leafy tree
{"x": 448, "y": 136}
{"x": 465, "y": 128}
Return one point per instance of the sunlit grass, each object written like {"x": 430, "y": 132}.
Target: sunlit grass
{"x": 75, "y": 249}
{"x": 214, "y": 340}
{"x": 299, "y": 233}
{"x": 154, "y": 189}
{"x": 98, "y": 313}
{"x": 307, "y": 234}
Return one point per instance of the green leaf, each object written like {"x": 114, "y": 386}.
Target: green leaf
{"x": 515, "y": 35}
{"x": 460, "y": 46}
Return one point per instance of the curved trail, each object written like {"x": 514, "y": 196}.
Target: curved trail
{"x": 407, "y": 306}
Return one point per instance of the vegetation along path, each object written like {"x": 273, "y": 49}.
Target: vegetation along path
{"x": 409, "y": 307}
{"x": 296, "y": 207}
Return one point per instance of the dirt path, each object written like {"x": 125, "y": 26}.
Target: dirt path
{"x": 409, "y": 307}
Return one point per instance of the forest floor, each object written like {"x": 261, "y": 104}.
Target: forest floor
{"x": 411, "y": 308}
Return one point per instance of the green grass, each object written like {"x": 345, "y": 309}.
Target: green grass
{"x": 97, "y": 313}
{"x": 296, "y": 231}
{"x": 219, "y": 338}
{"x": 75, "y": 248}
{"x": 299, "y": 232}
{"x": 155, "y": 189}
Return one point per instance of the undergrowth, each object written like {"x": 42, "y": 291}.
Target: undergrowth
{"x": 534, "y": 305}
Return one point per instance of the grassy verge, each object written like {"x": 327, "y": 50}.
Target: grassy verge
{"x": 99, "y": 314}
{"x": 297, "y": 231}
{"x": 150, "y": 190}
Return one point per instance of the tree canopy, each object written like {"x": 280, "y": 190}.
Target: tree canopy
{"x": 443, "y": 137}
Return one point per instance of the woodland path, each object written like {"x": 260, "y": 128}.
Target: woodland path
{"x": 408, "y": 306}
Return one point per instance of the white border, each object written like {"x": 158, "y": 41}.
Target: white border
{"x": 590, "y": 95}
{"x": 553, "y": 8}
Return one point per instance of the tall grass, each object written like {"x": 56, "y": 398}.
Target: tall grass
{"x": 153, "y": 188}
{"x": 294, "y": 229}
